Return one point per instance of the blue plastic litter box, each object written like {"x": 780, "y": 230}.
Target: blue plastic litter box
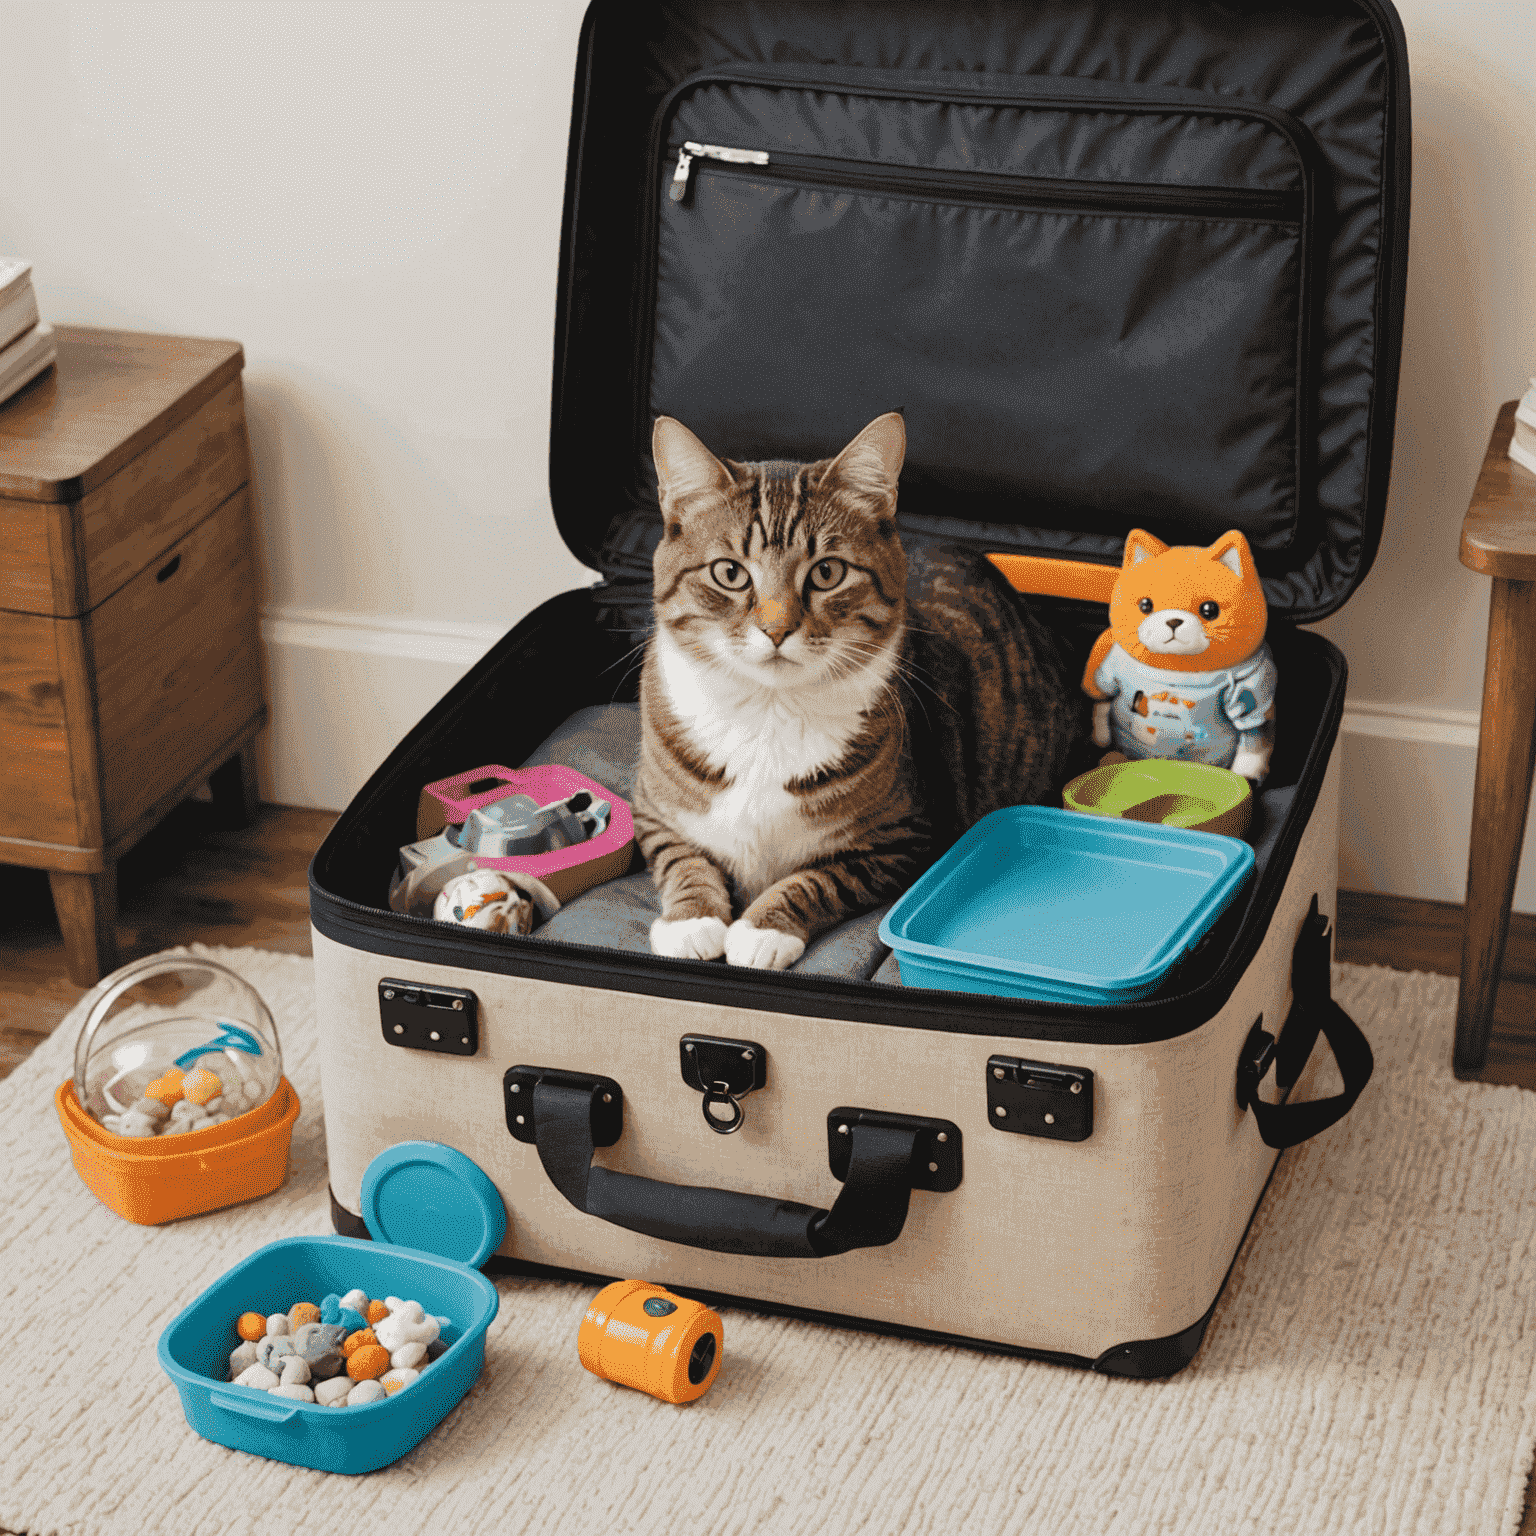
{"x": 417, "y": 1192}
{"x": 1050, "y": 905}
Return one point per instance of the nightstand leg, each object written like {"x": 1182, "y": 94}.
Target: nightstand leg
{"x": 1506, "y": 754}
{"x": 87, "y": 911}
{"x": 234, "y": 787}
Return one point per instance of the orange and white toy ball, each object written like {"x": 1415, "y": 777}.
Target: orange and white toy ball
{"x": 642, "y": 1336}
{"x": 485, "y": 899}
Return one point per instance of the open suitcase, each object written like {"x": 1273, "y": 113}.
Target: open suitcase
{"x": 1122, "y": 263}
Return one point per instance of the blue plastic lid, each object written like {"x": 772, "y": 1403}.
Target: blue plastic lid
{"x": 423, "y": 1195}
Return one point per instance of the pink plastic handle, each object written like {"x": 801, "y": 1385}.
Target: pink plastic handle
{"x": 454, "y": 797}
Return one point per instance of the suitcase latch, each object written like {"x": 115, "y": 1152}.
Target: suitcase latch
{"x": 724, "y": 1071}
{"x": 1037, "y": 1098}
{"x": 429, "y": 1018}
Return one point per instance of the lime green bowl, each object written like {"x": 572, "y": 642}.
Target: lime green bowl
{"x": 1160, "y": 789}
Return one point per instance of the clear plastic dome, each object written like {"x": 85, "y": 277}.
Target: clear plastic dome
{"x": 175, "y": 1044}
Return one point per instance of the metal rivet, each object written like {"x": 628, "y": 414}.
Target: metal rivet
{"x": 689, "y": 1049}
{"x": 748, "y": 1055}
{"x": 399, "y": 1029}
{"x": 933, "y": 1167}
{"x": 1000, "y": 1112}
{"x": 517, "y": 1087}
{"x": 458, "y": 1005}
{"x": 943, "y": 1135}
{"x": 519, "y": 1119}
{"x": 1077, "y": 1087}
{"x": 997, "y": 1071}
{"x": 463, "y": 1039}
{"x": 607, "y": 1098}
{"x": 435, "y": 1035}
{"x": 1050, "y": 1119}
{"x": 389, "y": 991}
{"x": 842, "y": 1130}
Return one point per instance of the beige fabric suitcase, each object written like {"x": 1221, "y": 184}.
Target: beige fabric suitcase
{"x": 1171, "y": 235}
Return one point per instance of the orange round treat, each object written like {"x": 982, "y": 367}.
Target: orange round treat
{"x": 376, "y": 1312}
{"x": 358, "y": 1340}
{"x": 251, "y": 1327}
{"x": 368, "y": 1362}
{"x": 302, "y": 1312}
{"x": 168, "y": 1089}
{"x": 200, "y": 1085}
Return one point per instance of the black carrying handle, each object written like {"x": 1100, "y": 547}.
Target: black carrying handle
{"x": 869, "y": 1213}
{"x": 1313, "y": 1011}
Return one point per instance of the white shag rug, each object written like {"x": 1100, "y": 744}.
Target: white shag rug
{"x": 1371, "y": 1367}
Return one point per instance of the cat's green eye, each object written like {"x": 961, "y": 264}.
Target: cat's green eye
{"x": 826, "y": 574}
{"x": 731, "y": 574}
{"x": 1145, "y": 605}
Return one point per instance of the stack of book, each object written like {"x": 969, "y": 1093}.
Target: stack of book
{"x": 26, "y": 344}
{"x": 1522, "y": 448}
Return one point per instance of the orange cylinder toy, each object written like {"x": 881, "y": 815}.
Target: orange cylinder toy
{"x": 640, "y": 1335}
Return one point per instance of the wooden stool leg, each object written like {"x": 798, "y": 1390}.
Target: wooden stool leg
{"x": 1506, "y": 754}
{"x": 87, "y": 911}
{"x": 234, "y": 787}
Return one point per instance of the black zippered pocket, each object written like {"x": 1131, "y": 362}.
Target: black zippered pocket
{"x": 1088, "y": 351}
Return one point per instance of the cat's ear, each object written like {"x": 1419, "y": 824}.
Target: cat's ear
{"x": 684, "y": 466}
{"x": 1233, "y": 552}
{"x": 871, "y": 463}
{"x": 1141, "y": 545}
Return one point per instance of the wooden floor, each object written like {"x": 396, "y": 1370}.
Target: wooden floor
{"x": 192, "y": 881}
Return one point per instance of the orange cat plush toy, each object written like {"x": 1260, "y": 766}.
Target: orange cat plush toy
{"x": 1183, "y": 670}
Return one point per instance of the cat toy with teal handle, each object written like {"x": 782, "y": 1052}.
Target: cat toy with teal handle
{"x": 231, "y": 1037}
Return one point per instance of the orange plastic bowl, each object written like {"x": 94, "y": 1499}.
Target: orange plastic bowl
{"x": 157, "y": 1179}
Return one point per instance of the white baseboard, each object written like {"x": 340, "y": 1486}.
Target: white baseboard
{"x": 344, "y": 688}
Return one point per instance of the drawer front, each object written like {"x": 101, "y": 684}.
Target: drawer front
{"x": 69, "y": 557}
{"x": 37, "y": 800}
{"x": 154, "y": 499}
{"x": 177, "y": 664}
{"x": 26, "y": 569}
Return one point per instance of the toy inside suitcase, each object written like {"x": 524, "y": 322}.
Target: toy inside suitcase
{"x": 1137, "y": 263}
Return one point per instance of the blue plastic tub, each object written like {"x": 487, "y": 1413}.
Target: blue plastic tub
{"x": 1035, "y": 902}
{"x": 399, "y": 1186}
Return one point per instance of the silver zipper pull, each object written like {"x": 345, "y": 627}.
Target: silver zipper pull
{"x": 685, "y": 158}
{"x": 680, "y": 176}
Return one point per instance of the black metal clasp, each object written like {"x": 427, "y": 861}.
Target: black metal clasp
{"x": 1038, "y": 1098}
{"x": 724, "y": 1071}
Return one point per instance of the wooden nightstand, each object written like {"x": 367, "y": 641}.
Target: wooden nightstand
{"x": 1498, "y": 538}
{"x": 129, "y": 663}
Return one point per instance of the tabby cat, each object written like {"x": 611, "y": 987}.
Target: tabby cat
{"x": 818, "y": 719}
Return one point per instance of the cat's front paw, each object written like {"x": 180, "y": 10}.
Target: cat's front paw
{"x": 689, "y": 938}
{"x": 766, "y": 949}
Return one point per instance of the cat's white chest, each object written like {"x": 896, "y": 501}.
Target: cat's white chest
{"x": 763, "y": 740}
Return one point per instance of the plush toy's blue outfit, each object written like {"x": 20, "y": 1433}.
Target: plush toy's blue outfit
{"x": 1202, "y": 717}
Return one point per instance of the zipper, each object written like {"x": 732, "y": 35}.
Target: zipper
{"x": 992, "y": 188}
{"x": 685, "y": 156}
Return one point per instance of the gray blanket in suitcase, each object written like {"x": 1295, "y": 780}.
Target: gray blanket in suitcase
{"x": 603, "y": 742}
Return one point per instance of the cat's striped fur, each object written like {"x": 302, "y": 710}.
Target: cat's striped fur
{"x": 819, "y": 719}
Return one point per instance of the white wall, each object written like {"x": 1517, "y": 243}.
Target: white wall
{"x": 1415, "y": 632}
{"x": 368, "y": 195}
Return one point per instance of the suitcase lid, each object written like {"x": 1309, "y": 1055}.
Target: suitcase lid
{"x": 423, "y": 1195}
{"x": 1321, "y": 90}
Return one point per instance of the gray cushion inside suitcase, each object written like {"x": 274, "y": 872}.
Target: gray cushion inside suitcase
{"x": 603, "y": 742}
